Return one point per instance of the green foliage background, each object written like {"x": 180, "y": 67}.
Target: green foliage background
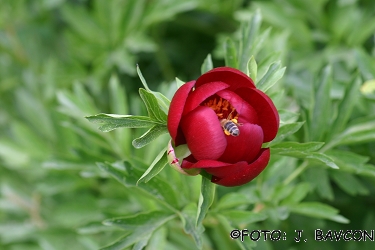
{"x": 62, "y": 60}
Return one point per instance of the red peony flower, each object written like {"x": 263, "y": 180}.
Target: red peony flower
{"x": 224, "y": 120}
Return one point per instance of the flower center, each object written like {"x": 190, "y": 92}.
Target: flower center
{"x": 222, "y": 107}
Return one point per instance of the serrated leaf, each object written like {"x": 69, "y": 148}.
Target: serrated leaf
{"x": 111, "y": 121}
{"x": 156, "y": 166}
{"x": 207, "y": 64}
{"x": 205, "y": 199}
{"x": 252, "y": 69}
{"x": 150, "y": 135}
{"x": 188, "y": 218}
{"x": 285, "y": 130}
{"x": 142, "y": 226}
{"x": 297, "y": 146}
{"x": 231, "y": 59}
{"x": 240, "y": 217}
{"x": 273, "y": 74}
{"x": 318, "y": 210}
{"x": 152, "y": 106}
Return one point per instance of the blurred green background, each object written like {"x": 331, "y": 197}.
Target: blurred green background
{"x": 61, "y": 60}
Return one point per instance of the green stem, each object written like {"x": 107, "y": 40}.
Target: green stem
{"x": 296, "y": 173}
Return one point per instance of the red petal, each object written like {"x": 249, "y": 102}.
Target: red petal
{"x": 244, "y": 147}
{"x": 235, "y": 78}
{"x": 246, "y": 112}
{"x": 240, "y": 173}
{"x": 266, "y": 110}
{"x": 202, "y": 93}
{"x": 176, "y": 107}
{"x": 207, "y": 164}
{"x": 203, "y": 133}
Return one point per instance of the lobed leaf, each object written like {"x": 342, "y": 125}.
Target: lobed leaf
{"x": 207, "y": 64}
{"x": 142, "y": 226}
{"x": 152, "y": 106}
{"x": 231, "y": 59}
{"x": 285, "y": 130}
{"x": 111, "y": 121}
{"x": 150, "y": 135}
{"x": 297, "y": 146}
{"x": 188, "y": 218}
{"x": 163, "y": 102}
{"x": 273, "y": 74}
{"x": 241, "y": 217}
{"x": 156, "y": 166}
{"x": 252, "y": 69}
{"x": 205, "y": 199}
{"x": 318, "y": 210}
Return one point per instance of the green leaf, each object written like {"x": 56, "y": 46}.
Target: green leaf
{"x": 321, "y": 113}
{"x": 252, "y": 69}
{"x": 297, "y": 146}
{"x": 224, "y": 222}
{"x": 298, "y": 194}
{"x": 163, "y": 101}
{"x": 355, "y": 134}
{"x": 156, "y": 166}
{"x": 142, "y": 226}
{"x": 273, "y": 74}
{"x": 230, "y": 54}
{"x": 207, "y": 64}
{"x": 249, "y": 33}
{"x": 150, "y": 135}
{"x": 322, "y": 158}
{"x": 349, "y": 183}
{"x": 318, "y": 210}
{"x": 156, "y": 189}
{"x": 205, "y": 199}
{"x": 110, "y": 121}
{"x": 188, "y": 218}
{"x": 285, "y": 130}
{"x": 365, "y": 64}
{"x": 346, "y": 106}
{"x": 179, "y": 83}
{"x": 319, "y": 180}
{"x": 352, "y": 163}
{"x": 287, "y": 116}
{"x": 240, "y": 217}
{"x": 232, "y": 200}
{"x": 153, "y": 109}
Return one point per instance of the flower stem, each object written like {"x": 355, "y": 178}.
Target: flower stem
{"x": 296, "y": 173}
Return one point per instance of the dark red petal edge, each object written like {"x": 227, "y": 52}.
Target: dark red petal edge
{"x": 240, "y": 173}
{"x": 235, "y": 78}
{"x": 176, "y": 107}
{"x": 266, "y": 110}
{"x": 202, "y": 93}
{"x": 203, "y": 133}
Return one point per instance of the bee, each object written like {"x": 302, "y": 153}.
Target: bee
{"x": 230, "y": 126}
